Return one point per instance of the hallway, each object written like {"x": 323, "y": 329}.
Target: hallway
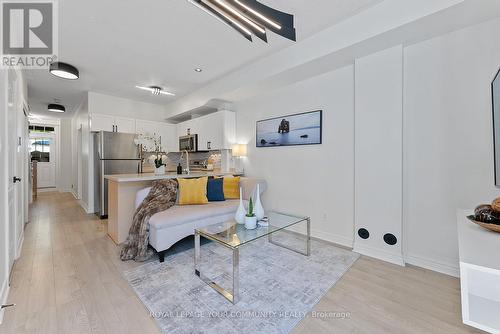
{"x": 68, "y": 278}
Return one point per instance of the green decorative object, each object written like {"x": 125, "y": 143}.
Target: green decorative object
{"x": 250, "y": 209}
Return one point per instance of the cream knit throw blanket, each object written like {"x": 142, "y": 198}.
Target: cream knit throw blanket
{"x": 161, "y": 197}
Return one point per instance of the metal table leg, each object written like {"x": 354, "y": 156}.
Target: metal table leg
{"x": 307, "y": 252}
{"x": 233, "y": 296}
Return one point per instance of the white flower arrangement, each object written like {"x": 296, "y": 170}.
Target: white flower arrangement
{"x": 149, "y": 143}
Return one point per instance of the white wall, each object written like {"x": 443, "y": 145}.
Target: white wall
{"x": 313, "y": 180}
{"x": 378, "y": 153}
{"x": 117, "y": 106}
{"x": 448, "y": 138}
{"x": 447, "y": 145}
{"x": 81, "y": 121}
{"x": 65, "y": 182}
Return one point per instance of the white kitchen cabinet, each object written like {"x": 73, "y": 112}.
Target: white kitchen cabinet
{"x": 101, "y": 122}
{"x": 187, "y": 126}
{"x": 169, "y": 136}
{"x": 148, "y": 128}
{"x": 479, "y": 275}
{"x": 167, "y": 132}
{"x": 215, "y": 131}
{"x": 124, "y": 125}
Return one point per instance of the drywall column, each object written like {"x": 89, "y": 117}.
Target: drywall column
{"x": 378, "y": 155}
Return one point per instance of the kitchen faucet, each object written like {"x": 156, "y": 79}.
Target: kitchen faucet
{"x": 187, "y": 161}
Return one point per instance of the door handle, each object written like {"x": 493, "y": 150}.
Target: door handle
{"x": 16, "y": 179}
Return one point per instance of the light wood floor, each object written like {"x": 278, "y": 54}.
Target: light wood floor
{"x": 68, "y": 280}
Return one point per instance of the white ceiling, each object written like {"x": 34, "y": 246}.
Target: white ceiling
{"x": 119, "y": 44}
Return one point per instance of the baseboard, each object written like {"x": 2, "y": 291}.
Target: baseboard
{"x": 47, "y": 190}
{"x": 83, "y": 205}
{"x": 4, "y": 294}
{"x": 65, "y": 190}
{"x": 20, "y": 246}
{"x": 333, "y": 238}
{"x": 446, "y": 268}
{"x": 379, "y": 254}
{"x": 326, "y": 236}
{"x": 74, "y": 194}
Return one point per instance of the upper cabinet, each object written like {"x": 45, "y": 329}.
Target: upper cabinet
{"x": 166, "y": 131}
{"x": 101, "y": 122}
{"x": 125, "y": 125}
{"x": 216, "y": 131}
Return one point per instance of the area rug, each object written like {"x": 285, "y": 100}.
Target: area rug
{"x": 278, "y": 287}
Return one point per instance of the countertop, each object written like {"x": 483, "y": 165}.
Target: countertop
{"x": 477, "y": 245}
{"x": 169, "y": 175}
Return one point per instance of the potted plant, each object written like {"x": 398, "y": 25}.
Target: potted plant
{"x": 159, "y": 162}
{"x": 250, "y": 218}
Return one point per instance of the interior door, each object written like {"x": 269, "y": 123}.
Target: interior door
{"x": 42, "y": 148}
{"x": 15, "y": 155}
{"x": 12, "y": 161}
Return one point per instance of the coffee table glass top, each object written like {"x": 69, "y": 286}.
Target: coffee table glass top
{"x": 235, "y": 235}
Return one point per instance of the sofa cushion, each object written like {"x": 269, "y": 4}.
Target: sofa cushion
{"x": 215, "y": 190}
{"x": 180, "y": 214}
{"x": 231, "y": 187}
{"x": 193, "y": 191}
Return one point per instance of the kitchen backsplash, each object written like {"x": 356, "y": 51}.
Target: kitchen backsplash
{"x": 195, "y": 159}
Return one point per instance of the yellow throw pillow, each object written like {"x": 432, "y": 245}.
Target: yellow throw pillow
{"x": 193, "y": 191}
{"x": 232, "y": 187}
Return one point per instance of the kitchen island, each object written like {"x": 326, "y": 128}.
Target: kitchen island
{"x": 122, "y": 189}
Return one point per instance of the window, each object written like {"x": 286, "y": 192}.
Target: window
{"x": 40, "y": 149}
{"x": 41, "y": 129}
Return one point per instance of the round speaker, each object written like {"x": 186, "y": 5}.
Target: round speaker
{"x": 363, "y": 233}
{"x": 390, "y": 239}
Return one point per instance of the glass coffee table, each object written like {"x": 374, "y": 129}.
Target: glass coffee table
{"x": 233, "y": 235}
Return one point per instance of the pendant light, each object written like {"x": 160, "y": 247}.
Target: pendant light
{"x": 54, "y": 107}
{"x": 63, "y": 70}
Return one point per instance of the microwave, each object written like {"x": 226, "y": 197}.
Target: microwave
{"x": 188, "y": 143}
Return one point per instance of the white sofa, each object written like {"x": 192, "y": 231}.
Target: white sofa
{"x": 169, "y": 226}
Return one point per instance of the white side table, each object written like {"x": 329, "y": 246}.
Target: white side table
{"x": 479, "y": 274}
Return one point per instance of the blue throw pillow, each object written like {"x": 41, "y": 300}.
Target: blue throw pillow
{"x": 215, "y": 190}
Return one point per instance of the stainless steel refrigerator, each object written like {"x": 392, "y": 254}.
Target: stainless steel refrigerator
{"x": 114, "y": 153}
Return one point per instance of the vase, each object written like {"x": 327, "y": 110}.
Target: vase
{"x": 160, "y": 170}
{"x": 241, "y": 212}
{"x": 250, "y": 223}
{"x": 258, "y": 208}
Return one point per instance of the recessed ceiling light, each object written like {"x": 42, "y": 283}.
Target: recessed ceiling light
{"x": 56, "y": 107}
{"x": 63, "y": 70}
{"x": 198, "y": 70}
{"x": 155, "y": 90}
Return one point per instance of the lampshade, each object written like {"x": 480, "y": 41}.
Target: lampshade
{"x": 239, "y": 150}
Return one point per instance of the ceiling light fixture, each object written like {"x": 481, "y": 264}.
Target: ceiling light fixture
{"x": 259, "y": 15}
{"x": 155, "y": 90}
{"x": 233, "y": 21}
{"x": 199, "y": 70}
{"x": 241, "y": 16}
{"x": 250, "y": 17}
{"x": 63, "y": 70}
{"x": 54, "y": 107}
